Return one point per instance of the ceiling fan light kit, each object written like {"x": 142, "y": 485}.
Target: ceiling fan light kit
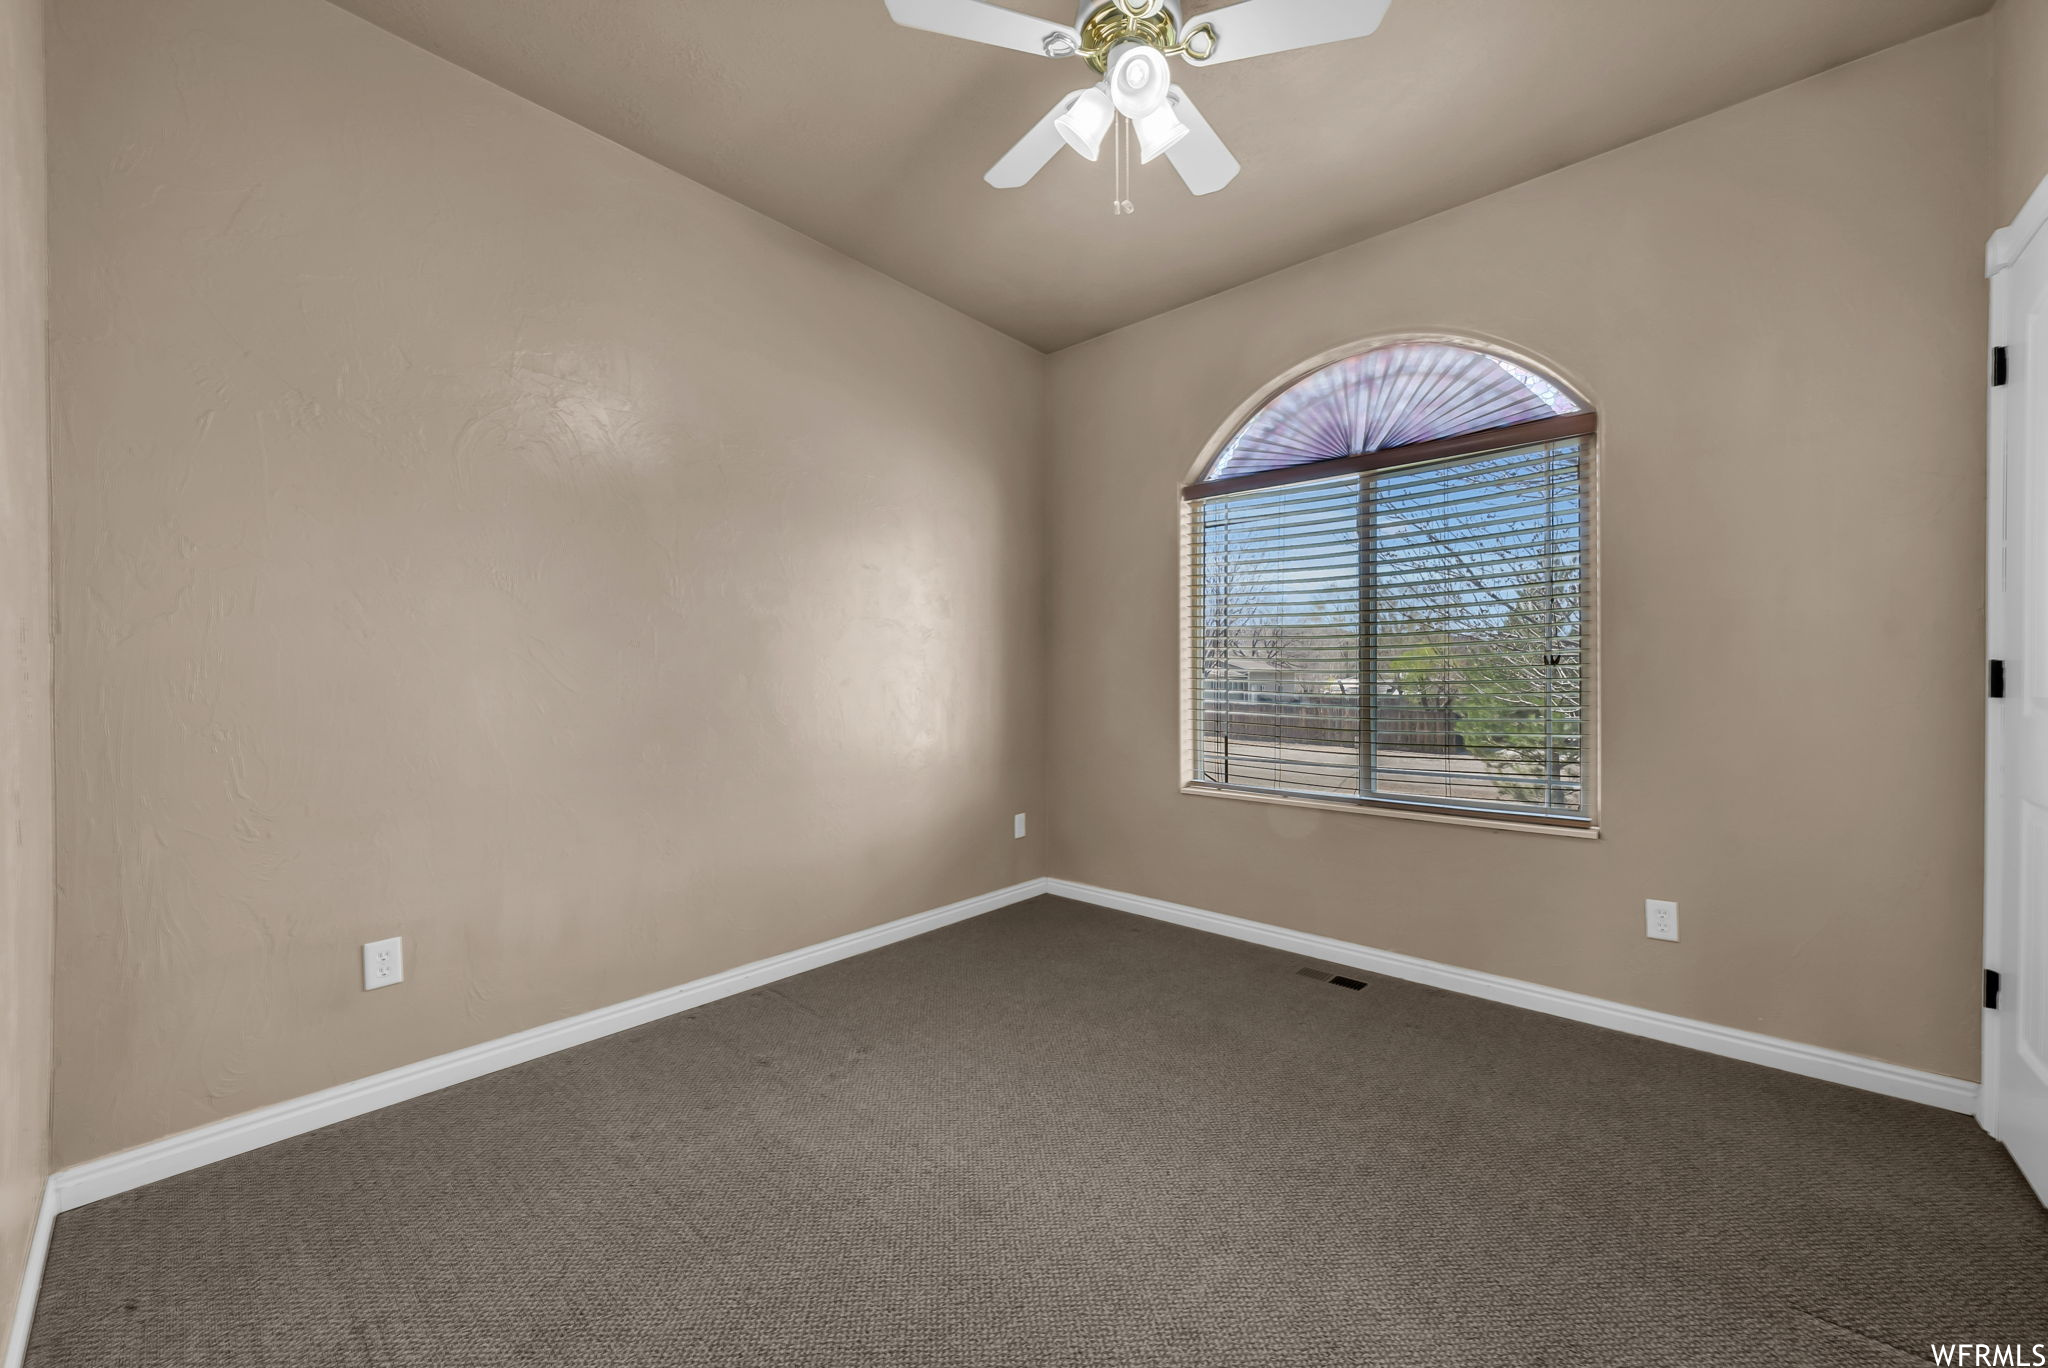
{"x": 1128, "y": 43}
{"x": 1138, "y": 85}
{"x": 1088, "y": 117}
{"x": 1158, "y": 130}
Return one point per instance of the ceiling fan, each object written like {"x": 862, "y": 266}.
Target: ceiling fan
{"x": 1128, "y": 42}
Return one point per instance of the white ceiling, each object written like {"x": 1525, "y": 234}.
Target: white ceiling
{"x": 872, "y": 138}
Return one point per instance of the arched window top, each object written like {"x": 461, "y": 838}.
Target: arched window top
{"x": 1394, "y": 395}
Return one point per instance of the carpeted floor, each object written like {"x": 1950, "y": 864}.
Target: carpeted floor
{"x": 1057, "y": 1135}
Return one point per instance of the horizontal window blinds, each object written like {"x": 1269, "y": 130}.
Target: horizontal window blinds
{"x": 1412, "y": 635}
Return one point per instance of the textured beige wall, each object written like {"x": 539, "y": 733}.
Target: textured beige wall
{"x": 2019, "y": 44}
{"x": 472, "y": 531}
{"x": 1780, "y": 311}
{"x": 24, "y": 650}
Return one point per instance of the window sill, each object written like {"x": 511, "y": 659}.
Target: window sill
{"x": 1574, "y": 828}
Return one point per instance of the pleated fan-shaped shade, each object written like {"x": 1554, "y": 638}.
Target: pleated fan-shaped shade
{"x": 1390, "y": 396}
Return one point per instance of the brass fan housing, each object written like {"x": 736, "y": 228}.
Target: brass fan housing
{"x": 1141, "y": 21}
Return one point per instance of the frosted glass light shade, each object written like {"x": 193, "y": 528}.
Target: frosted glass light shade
{"x": 1158, "y": 131}
{"x": 1085, "y": 124}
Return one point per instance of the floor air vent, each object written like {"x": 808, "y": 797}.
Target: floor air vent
{"x": 1353, "y": 984}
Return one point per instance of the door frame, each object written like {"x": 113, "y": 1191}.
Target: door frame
{"x": 2001, "y": 251}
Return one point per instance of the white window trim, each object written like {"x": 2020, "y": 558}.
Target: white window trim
{"x": 1594, "y": 748}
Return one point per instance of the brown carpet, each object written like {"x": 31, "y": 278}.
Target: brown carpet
{"x": 1057, "y": 1135}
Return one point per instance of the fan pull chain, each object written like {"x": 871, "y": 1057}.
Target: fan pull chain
{"x": 1120, "y": 160}
{"x": 1128, "y": 207}
{"x": 1116, "y": 165}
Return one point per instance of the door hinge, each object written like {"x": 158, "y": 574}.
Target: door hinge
{"x": 1997, "y": 366}
{"x": 1991, "y": 989}
{"x": 1997, "y": 681}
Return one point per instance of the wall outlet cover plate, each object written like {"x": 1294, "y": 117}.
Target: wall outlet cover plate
{"x": 1660, "y": 919}
{"x": 383, "y": 963}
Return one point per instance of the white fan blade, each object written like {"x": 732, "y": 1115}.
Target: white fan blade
{"x": 1254, "y": 28}
{"x": 1201, "y": 158}
{"x": 1034, "y": 149}
{"x": 983, "y": 23}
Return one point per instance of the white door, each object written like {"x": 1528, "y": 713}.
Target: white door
{"x": 2015, "y": 1096}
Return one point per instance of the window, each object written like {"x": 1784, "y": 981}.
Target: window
{"x": 1387, "y": 598}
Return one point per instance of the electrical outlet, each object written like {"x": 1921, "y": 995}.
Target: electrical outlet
{"x": 1660, "y": 919}
{"x": 383, "y": 963}
{"x": 1019, "y": 825}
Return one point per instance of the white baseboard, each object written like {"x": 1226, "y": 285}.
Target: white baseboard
{"x": 31, "y": 1280}
{"x": 76, "y": 1186}
{"x": 1872, "y": 1075}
